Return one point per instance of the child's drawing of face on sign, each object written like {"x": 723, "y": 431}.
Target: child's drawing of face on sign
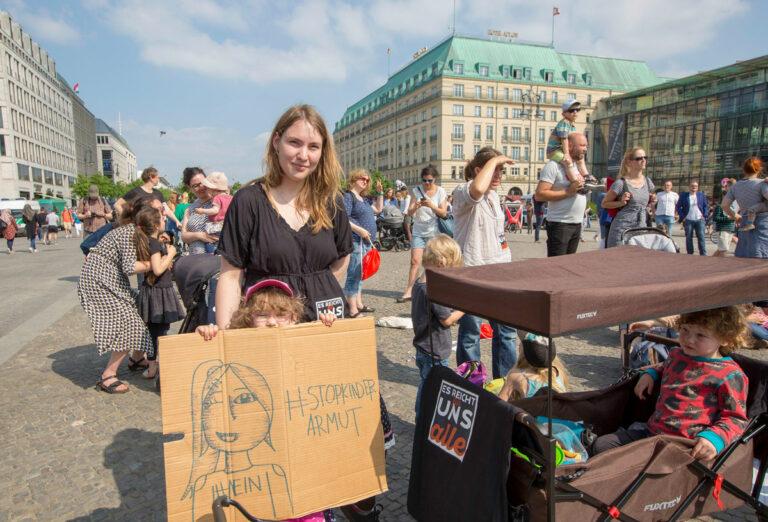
{"x": 246, "y": 410}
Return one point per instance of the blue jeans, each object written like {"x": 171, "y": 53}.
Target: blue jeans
{"x": 698, "y": 227}
{"x": 32, "y": 241}
{"x": 210, "y": 248}
{"x": 354, "y": 283}
{"x": 39, "y": 233}
{"x": 759, "y": 331}
{"x": 503, "y": 345}
{"x": 425, "y": 363}
{"x": 668, "y": 221}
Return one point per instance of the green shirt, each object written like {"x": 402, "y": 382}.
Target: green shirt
{"x": 181, "y": 209}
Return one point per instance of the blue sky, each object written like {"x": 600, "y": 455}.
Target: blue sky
{"x": 216, "y": 74}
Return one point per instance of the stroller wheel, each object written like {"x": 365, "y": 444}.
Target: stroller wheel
{"x": 377, "y": 245}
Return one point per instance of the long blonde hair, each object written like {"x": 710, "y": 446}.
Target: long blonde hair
{"x": 542, "y": 375}
{"x": 625, "y": 162}
{"x": 319, "y": 194}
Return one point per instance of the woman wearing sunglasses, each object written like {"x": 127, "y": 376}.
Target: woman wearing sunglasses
{"x": 632, "y": 193}
{"x": 429, "y": 202}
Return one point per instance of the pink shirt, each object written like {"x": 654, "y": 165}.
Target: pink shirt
{"x": 222, "y": 201}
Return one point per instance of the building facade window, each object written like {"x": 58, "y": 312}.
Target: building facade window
{"x": 2, "y": 145}
{"x": 517, "y": 74}
{"x": 23, "y": 171}
{"x": 458, "y": 68}
{"x": 571, "y": 78}
{"x": 483, "y": 70}
{"x": 458, "y": 131}
{"x": 478, "y": 111}
{"x": 549, "y": 76}
{"x": 517, "y": 113}
{"x": 571, "y": 96}
{"x": 553, "y": 115}
{"x": 516, "y": 133}
{"x": 554, "y": 96}
{"x": 589, "y": 100}
{"x": 543, "y": 96}
{"x": 491, "y": 93}
{"x": 541, "y": 153}
{"x": 458, "y": 110}
{"x": 476, "y": 149}
{"x": 517, "y": 94}
{"x": 506, "y": 93}
{"x": 541, "y": 135}
{"x": 457, "y": 151}
{"x": 506, "y": 112}
{"x": 478, "y": 132}
{"x": 515, "y": 153}
{"x": 458, "y": 90}
{"x": 489, "y": 112}
{"x": 489, "y": 132}
{"x": 478, "y": 92}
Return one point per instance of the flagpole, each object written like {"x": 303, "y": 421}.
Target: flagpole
{"x": 553, "y": 30}
{"x": 389, "y": 53}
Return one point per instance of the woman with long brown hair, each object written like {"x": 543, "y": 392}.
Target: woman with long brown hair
{"x": 289, "y": 225}
{"x": 631, "y": 194}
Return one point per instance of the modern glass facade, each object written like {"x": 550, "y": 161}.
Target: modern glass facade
{"x": 701, "y": 127}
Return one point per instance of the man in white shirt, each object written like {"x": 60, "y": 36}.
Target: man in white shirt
{"x": 479, "y": 230}
{"x": 666, "y": 201}
{"x": 566, "y": 204}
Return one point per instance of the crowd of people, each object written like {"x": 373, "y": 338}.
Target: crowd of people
{"x": 288, "y": 240}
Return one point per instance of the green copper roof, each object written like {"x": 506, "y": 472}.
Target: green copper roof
{"x": 532, "y": 61}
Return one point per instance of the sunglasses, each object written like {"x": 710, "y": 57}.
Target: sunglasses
{"x": 427, "y": 180}
{"x": 573, "y": 110}
{"x": 640, "y": 158}
{"x": 364, "y": 180}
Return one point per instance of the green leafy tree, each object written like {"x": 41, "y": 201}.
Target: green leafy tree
{"x": 107, "y": 187}
{"x": 236, "y": 186}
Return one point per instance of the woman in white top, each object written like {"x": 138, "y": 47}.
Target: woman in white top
{"x": 52, "y": 233}
{"x": 428, "y": 202}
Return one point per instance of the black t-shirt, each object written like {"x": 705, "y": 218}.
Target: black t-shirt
{"x": 41, "y": 219}
{"x": 441, "y": 335}
{"x": 166, "y": 278}
{"x": 139, "y": 192}
{"x": 256, "y": 238}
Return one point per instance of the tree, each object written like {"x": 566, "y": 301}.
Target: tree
{"x": 107, "y": 187}
{"x": 236, "y": 186}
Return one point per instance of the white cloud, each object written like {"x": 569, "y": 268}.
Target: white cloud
{"x": 43, "y": 25}
{"x": 239, "y": 156}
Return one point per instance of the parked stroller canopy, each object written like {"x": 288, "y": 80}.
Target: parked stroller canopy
{"x": 565, "y": 294}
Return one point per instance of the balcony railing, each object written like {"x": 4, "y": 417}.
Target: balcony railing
{"x": 457, "y": 136}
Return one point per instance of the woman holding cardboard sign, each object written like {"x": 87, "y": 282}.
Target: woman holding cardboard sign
{"x": 290, "y": 225}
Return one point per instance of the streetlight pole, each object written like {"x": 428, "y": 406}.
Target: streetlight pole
{"x": 534, "y": 103}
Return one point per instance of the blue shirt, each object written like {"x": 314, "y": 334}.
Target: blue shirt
{"x": 361, "y": 214}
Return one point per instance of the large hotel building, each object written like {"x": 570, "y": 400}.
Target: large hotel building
{"x": 467, "y": 93}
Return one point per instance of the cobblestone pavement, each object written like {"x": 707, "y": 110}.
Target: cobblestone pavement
{"x": 73, "y": 453}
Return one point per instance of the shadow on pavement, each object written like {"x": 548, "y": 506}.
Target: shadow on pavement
{"x": 80, "y": 364}
{"x": 598, "y": 370}
{"x": 395, "y": 372}
{"x": 136, "y": 459}
{"x": 391, "y": 294}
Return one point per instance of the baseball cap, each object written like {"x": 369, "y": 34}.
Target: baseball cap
{"x": 570, "y": 103}
{"x": 535, "y": 350}
{"x": 268, "y": 283}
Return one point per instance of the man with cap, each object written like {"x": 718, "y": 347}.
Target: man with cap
{"x": 557, "y": 149}
{"x": 93, "y": 211}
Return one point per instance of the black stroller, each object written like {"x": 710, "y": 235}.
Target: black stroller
{"x": 391, "y": 232}
{"x": 196, "y": 277}
{"x": 463, "y": 467}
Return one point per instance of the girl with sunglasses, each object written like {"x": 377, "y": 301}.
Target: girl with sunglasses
{"x": 429, "y": 202}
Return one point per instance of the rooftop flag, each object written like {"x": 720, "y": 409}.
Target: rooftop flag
{"x": 555, "y": 11}
{"x": 76, "y": 87}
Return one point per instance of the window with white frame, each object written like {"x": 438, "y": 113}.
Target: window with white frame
{"x": 478, "y": 111}
{"x": 458, "y": 110}
{"x": 457, "y": 151}
{"x": 458, "y": 89}
{"x": 478, "y": 132}
{"x": 478, "y": 92}
{"x": 515, "y": 153}
{"x": 489, "y": 132}
{"x": 483, "y": 70}
{"x": 491, "y": 93}
{"x": 541, "y": 153}
{"x": 489, "y": 112}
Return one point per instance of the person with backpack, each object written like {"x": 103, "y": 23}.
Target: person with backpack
{"x": 632, "y": 193}
{"x": 30, "y": 226}
{"x": 8, "y": 228}
{"x": 93, "y": 211}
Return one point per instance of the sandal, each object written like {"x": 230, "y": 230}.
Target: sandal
{"x": 135, "y": 366}
{"x": 366, "y": 309}
{"x": 111, "y": 388}
{"x": 354, "y": 316}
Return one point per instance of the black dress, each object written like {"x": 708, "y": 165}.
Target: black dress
{"x": 158, "y": 303}
{"x": 256, "y": 238}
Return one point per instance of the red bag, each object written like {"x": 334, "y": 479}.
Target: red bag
{"x": 371, "y": 262}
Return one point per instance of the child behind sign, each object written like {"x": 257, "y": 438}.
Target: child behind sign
{"x": 432, "y": 339}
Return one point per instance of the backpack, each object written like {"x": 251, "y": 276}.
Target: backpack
{"x": 92, "y": 240}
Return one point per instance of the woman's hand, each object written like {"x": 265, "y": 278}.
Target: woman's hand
{"x": 207, "y": 238}
{"x": 207, "y": 331}
{"x": 644, "y": 386}
{"x": 703, "y": 450}
{"x": 641, "y": 325}
{"x": 171, "y": 251}
{"x": 379, "y": 187}
{"x": 326, "y": 319}
{"x": 364, "y": 234}
{"x": 625, "y": 198}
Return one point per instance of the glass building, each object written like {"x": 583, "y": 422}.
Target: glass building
{"x": 701, "y": 127}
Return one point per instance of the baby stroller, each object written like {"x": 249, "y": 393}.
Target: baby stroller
{"x": 649, "y": 237}
{"x": 196, "y": 277}
{"x": 391, "y": 231}
{"x": 512, "y": 467}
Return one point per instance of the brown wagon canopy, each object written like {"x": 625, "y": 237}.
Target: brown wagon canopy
{"x": 561, "y": 295}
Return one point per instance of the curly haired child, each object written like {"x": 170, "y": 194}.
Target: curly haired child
{"x": 703, "y": 392}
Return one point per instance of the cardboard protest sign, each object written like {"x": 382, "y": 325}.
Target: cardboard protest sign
{"x": 284, "y": 420}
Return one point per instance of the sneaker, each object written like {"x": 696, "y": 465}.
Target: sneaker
{"x": 592, "y": 183}
{"x": 747, "y": 222}
{"x": 35, "y": 251}
{"x": 31, "y": 250}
